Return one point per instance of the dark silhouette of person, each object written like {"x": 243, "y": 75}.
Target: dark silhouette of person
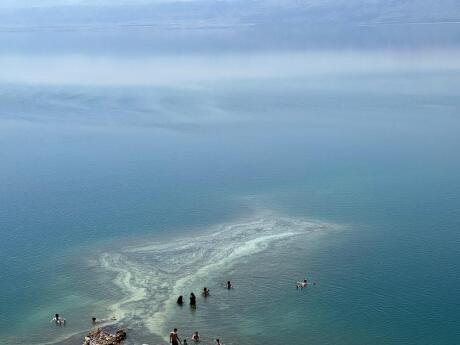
{"x": 180, "y": 300}
{"x": 192, "y": 300}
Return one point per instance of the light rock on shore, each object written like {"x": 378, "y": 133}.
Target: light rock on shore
{"x": 101, "y": 337}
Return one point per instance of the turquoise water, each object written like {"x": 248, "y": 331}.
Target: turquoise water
{"x": 116, "y": 198}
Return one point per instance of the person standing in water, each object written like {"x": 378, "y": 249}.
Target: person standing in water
{"x": 229, "y": 285}
{"x": 180, "y": 300}
{"x": 218, "y": 341}
{"x": 196, "y": 337}
{"x": 192, "y": 300}
{"x": 174, "y": 337}
{"x": 205, "y": 292}
{"x": 55, "y": 319}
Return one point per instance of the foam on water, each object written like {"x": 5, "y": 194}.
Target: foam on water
{"x": 151, "y": 276}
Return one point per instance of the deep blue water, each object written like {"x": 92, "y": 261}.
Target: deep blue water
{"x": 87, "y": 169}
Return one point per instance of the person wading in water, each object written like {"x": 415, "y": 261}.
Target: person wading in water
{"x": 192, "y": 300}
{"x": 174, "y": 338}
{"x": 180, "y": 301}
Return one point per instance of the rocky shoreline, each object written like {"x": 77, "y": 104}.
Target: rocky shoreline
{"x": 102, "y": 337}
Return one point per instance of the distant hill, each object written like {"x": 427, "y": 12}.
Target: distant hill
{"x": 225, "y": 12}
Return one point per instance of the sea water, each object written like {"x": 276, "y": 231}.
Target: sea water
{"x": 122, "y": 189}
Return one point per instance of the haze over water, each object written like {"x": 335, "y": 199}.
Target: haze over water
{"x": 149, "y": 150}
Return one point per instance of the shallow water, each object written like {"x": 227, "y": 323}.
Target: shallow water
{"x": 153, "y": 276}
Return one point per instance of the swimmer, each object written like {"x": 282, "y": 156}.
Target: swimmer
{"x": 229, "y": 285}
{"x": 301, "y": 284}
{"x": 58, "y": 320}
{"x": 95, "y": 320}
{"x": 55, "y": 319}
{"x": 218, "y": 341}
{"x": 196, "y": 337}
{"x": 174, "y": 338}
{"x": 205, "y": 292}
{"x": 180, "y": 300}
{"x": 185, "y": 342}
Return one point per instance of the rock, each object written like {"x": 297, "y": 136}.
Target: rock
{"x": 101, "y": 337}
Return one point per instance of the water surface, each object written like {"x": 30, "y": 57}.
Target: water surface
{"x": 228, "y": 155}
